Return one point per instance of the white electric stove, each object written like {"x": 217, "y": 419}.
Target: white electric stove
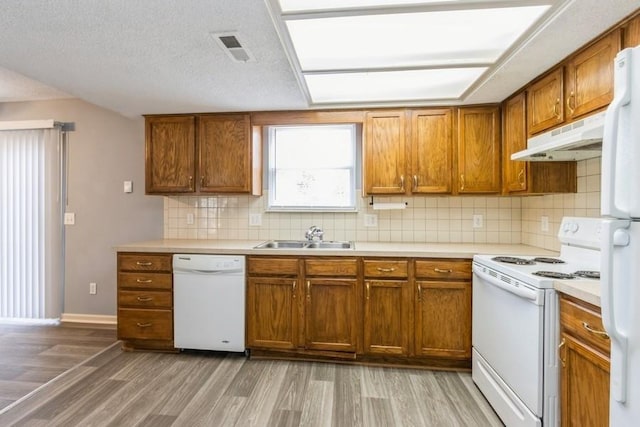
{"x": 515, "y": 323}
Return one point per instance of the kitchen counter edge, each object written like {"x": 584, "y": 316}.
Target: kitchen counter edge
{"x": 585, "y": 290}
{"x": 377, "y": 249}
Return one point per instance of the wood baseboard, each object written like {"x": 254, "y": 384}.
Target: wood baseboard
{"x": 89, "y": 319}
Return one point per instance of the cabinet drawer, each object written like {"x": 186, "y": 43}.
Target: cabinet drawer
{"x": 145, "y": 280}
{"x": 385, "y": 268}
{"x": 331, "y": 267}
{"x": 584, "y": 322}
{"x": 144, "y": 299}
{"x": 273, "y": 266}
{"x": 144, "y": 262}
{"x": 145, "y": 324}
{"x": 443, "y": 269}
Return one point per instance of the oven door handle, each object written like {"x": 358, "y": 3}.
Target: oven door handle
{"x": 520, "y": 291}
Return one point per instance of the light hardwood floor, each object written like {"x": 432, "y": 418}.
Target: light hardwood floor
{"x": 118, "y": 388}
{"x": 30, "y": 356}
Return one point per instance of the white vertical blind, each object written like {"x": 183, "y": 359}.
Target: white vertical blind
{"x": 31, "y": 251}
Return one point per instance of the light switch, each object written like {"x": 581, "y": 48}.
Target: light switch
{"x": 69, "y": 218}
{"x": 128, "y": 186}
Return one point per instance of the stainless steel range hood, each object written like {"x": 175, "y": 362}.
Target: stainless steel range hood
{"x": 576, "y": 141}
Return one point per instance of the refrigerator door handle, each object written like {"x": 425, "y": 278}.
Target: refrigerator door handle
{"x": 621, "y": 97}
{"x": 614, "y": 234}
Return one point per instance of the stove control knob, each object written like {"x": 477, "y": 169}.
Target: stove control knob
{"x": 574, "y": 227}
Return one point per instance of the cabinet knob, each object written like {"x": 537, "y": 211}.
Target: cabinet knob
{"x": 442, "y": 270}
{"x": 461, "y": 182}
{"x": 144, "y": 299}
{"x": 402, "y": 182}
{"x": 144, "y": 263}
{"x": 562, "y": 359}
{"x": 556, "y": 109}
{"x": 415, "y": 182}
{"x": 144, "y": 325}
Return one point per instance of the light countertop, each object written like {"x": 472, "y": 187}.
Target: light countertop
{"x": 586, "y": 290}
{"x": 420, "y": 250}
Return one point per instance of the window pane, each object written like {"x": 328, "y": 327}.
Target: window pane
{"x": 312, "y": 167}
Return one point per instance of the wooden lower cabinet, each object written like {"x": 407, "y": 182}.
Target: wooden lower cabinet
{"x": 443, "y": 319}
{"x": 584, "y": 360}
{"x": 145, "y": 301}
{"x": 272, "y": 320}
{"x": 387, "y": 307}
{"x": 372, "y": 310}
{"x": 330, "y": 314}
{"x": 272, "y": 309}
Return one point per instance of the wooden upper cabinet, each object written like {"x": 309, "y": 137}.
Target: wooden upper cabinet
{"x": 529, "y": 177}
{"x": 514, "y": 139}
{"x": 384, "y": 153}
{"x": 225, "y": 153}
{"x": 224, "y": 159}
{"x": 589, "y": 77}
{"x": 632, "y": 33}
{"x": 478, "y": 150}
{"x": 170, "y": 154}
{"x": 431, "y": 150}
{"x": 545, "y": 102}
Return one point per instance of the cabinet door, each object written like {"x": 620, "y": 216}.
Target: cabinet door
{"x": 431, "y": 151}
{"x": 443, "y": 319}
{"x": 331, "y": 314}
{"x": 170, "y": 154}
{"x": 545, "y": 105}
{"x": 632, "y": 33}
{"x": 589, "y": 77}
{"x": 387, "y": 309}
{"x": 479, "y": 150}
{"x": 272, "y": 319}
{"x": 225, "y": 153}
{"x": 514, "y": 139}
{"x": 584, "y": 385}
{"x": 384, "y": 153}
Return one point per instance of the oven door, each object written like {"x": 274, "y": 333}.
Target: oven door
{"x": 508, "y": 339}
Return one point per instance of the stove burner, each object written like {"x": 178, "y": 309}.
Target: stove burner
{"x": 513, "y": 260}
{"x": 549, "y": 260}
{"x": 554, "y": 275}
{"x": 587, "y": 274}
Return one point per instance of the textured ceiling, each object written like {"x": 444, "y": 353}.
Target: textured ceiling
{"x": 157, "y": 56}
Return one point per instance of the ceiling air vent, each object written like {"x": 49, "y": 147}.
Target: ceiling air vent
{"x": 231, "y": 45}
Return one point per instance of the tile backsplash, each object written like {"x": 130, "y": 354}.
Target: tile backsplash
{"x": 442, "y": 219}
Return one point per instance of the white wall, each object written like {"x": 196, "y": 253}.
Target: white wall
{"x": 105, "y": 150}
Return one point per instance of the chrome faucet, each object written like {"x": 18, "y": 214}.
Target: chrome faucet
{"x": 314, "y": 232}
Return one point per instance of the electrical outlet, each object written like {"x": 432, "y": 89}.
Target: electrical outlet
{"x": 69, "y": 218}
{"x": 544, "y": 223}
{"x": 478, "y": 221}
{"x": 93, "y": 288}
{"x": 370, "y": 220}
{"x": 128, "y": 187}
{"x": 255, "y": 220}
{"x": 190, "y": 219}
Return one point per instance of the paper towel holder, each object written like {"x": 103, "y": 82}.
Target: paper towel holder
{"x": 371, "y": 202}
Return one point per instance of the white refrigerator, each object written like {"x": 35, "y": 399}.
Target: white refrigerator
{"x": 620, "y": 266}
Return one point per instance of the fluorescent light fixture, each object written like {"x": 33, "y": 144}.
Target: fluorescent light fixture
{"x": 409, "y": 39}
{"x": 360, "y": 51}
{"x": 385, "y": 86}
{"x": 311, "y": 5}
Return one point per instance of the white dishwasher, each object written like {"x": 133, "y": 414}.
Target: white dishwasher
{"x": 209, "y": 302}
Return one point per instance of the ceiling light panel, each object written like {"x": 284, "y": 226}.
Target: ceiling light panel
{"x": 311, "y": 5}
{"x": 424, "y": 39}
{"x": 390, "y": 86}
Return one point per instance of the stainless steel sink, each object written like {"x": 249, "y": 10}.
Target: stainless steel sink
{"x": 304, "y": 244}
{"x": 282, "y": 244}
{"x": 330, "y": 245}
